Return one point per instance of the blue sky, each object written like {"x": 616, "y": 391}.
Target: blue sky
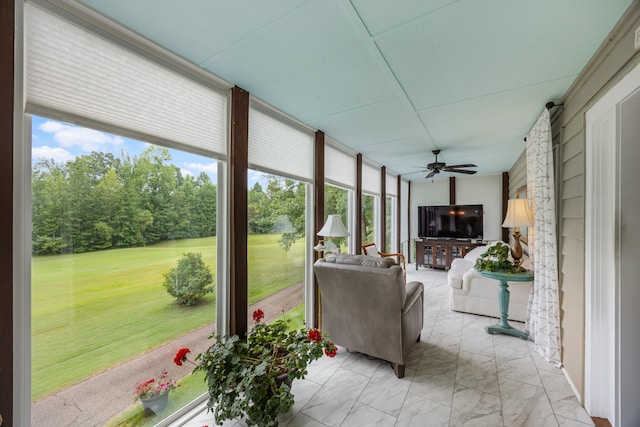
{"x": 62, "y": 142}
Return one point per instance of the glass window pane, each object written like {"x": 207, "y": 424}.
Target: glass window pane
{"x": 336, "y": 201}
{"x": 276, "y": 246}
{"x": 112, "y": 218}
{"x": 389, "y": 225}
{"x": 368, "y": 219}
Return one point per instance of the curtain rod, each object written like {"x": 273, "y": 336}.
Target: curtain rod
{"x": 549, "y": 105}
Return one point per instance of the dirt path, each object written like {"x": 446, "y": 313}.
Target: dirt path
{"x": 97, "y": 400}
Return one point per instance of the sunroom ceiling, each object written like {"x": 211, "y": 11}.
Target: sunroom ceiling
{"x": 392, "y": 80}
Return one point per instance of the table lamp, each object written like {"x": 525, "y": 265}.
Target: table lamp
{"x": 518, "y": 215}
{"x": 333, "y": 227}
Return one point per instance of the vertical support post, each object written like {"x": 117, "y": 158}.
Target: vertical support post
{"x": 7, "y": 82}
{"x": 452, "y": 190}
{"x": 409, "y": 222}
{"x": 238, "y": 213}
{"x": 383, "y": 209}
{"x": 399, "y": 215}
{"x": 505, "y": 203}
{"x": 358, "y": 227}
{"x": 318, "y": 182}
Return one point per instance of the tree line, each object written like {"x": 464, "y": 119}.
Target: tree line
{"x": 99, "y": 201}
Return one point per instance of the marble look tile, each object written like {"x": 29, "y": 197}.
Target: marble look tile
{"x": 386, "y": 392}
{"x": 438, "y": 388}
{"x": 362, "y": 364}
{"x": 568, "y": 422}
{"x": 525, "y": 405}
{"x": 438, "y": 362}
{"x": 477, "y": 371}
{"x": 335, "y": 399}
{"x": 448, "y": 325}
{"x": 420, "y": 412}
{"x": 439, "y": 341}
{"x": 541, "y": 363}
{"x": 475, "y": 322}
{"x": 322, "y": 369}
{"x": 477, "y": 341}
{"x": 301, "y": 420}
{"x": 365, "y": 416}
{"x": 520, "y": 369}
{"x": 563, "y": 400}
{"x": 302, "y": 390}
{"x": 474, "y": 408}
{"x": 513, "y": 349}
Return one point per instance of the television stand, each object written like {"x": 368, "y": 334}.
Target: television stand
{"x": 440, "y": 253}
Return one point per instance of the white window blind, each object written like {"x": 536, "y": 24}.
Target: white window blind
{"x": 75, "y": 75}
{"x": 339, "y": 167}
{"x": 392, "y": 185}
{"x": 278, "y": 147}
{"x": 371, "y": 179}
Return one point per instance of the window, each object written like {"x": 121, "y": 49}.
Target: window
{"x": 368, "y": 217}
{"x": 281, "y": 162}
{"x": 276, "y": 245}
{"x": 336, "y": 201}
{"x": 390, "y": 225}
{"x": 111, "y": 218}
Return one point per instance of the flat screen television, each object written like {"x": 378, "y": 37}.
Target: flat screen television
{"x": 450, "y": 222}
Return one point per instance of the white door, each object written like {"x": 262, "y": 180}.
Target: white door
{"x": 612, "y": 243}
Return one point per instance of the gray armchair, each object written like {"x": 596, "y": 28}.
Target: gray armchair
{"x": 367, "y": 308}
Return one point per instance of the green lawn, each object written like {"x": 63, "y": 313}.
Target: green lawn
{"x": 93, "y": 310}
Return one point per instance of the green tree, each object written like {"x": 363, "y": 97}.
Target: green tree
{"x": 286, "y": 198}
{"x": 204, "y": 207}
{"x": 259, "y": 211}
{"x": 367, "y": 216}
{"x": 336, "y": 201}
{"x": 190, "y": 281}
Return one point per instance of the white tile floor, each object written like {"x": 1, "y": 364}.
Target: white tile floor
{"x": 458, "y": 375}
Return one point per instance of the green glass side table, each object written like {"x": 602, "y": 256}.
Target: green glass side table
{"x": 503, "y": 326}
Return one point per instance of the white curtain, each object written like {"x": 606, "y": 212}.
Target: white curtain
{"x": 543, "y": 320}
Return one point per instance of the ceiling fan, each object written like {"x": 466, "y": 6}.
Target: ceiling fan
{"x": 435, "y": 167}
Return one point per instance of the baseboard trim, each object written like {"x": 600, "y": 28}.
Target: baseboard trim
{"x": 573, "y": 386}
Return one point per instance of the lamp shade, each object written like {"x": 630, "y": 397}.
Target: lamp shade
{"x": 333, "y": 227}
{"x": 518, "y": 214}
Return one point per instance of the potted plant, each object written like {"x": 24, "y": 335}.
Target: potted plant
{"x": 154, "y": 392}
{"x": 496, "y": 258}
{"x": 252, "y": 377}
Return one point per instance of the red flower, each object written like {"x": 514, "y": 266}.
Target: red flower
{"x": 331, "y": 350}
{"x": 314, "y": 335}
{"x": 258, "y": 315}
{"x": 181, "y": 356}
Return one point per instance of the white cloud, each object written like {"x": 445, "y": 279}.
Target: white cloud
{"x": 73, "y": 136}
{"x": 45, "y": 152}
{"x": 186, "y": 172}
{"x": 210, "y": 168}
{"x": 255, "y": 176}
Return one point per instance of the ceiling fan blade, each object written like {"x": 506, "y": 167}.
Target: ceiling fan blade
{"x": 469, "y": 165}
{"x": 432, "y": 173}
{"x": 460, "y": 171}
{"x": 409, "y": 173}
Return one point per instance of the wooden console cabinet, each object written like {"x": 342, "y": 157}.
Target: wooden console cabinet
{"x": 440, "y": 253}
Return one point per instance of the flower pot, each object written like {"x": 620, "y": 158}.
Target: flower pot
{"x": 155, "y": 405}
{"x": 284, "y": 379}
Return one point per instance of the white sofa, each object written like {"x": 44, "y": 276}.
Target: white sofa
{"x": 473, "y": 293}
